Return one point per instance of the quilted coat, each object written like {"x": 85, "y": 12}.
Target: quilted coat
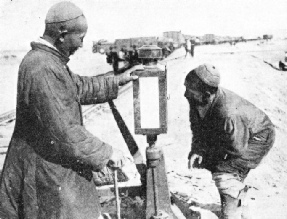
{"x": 48, "y": 168}
{"x": 234, "y": 135}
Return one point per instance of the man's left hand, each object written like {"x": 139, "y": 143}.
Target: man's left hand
{"x": 194, "y": 158}
{"x": 126, "y": 77}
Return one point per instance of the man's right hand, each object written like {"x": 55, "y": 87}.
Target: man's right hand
{"x": 117, "y": 160}
{"x": 193, "y": 159}
{"x": 126, "y": 77}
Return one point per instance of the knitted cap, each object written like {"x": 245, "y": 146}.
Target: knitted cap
{"x": 208, "y": 74}
{"x": 63, "y": 11}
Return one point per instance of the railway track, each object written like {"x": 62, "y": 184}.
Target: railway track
{"x": 8, "y": 116}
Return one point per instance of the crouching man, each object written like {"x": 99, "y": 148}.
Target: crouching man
{"x": 230, "y": 136}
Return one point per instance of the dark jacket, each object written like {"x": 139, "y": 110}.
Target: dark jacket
{"x": 109, "y": 57}
{"x": 233, "y": 136}
{"x": 48, "y": 168}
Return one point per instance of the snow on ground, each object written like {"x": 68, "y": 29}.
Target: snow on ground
{"x": 243, "y": 71}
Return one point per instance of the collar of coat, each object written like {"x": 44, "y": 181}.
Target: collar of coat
{"x": 41, "y": 46}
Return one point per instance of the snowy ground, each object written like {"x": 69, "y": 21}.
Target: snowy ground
{"x": 248, "y": 69}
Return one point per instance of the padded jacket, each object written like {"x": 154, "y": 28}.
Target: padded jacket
{"x": 233, "y": 136}
{"x": 48, "y": 168}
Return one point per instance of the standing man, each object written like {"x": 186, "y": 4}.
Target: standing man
{"x": 134, "y": 56}
{"x": 118, "y": 64}
{"x": 109, "y": 55}
{"x": 123, "y": 57}
{"x": 48, "y": 168}
{"x": 187, "y": 47}
{"x": 192, "y": 45}
{"x": 230, "y": 135}
{"x": 116, "y": 59}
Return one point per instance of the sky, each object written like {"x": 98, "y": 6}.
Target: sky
{"x": 22, "y": 21}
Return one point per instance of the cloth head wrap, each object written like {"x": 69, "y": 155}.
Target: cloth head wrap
{"x": 208, "y": 74}
{"x": 63, "y": 11}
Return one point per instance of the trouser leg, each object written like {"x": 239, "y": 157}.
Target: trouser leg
{"x": 230, "y": 207}
{"x": 192, "y": 51}
{"x": 235, "y": 208}
{"x": 246, "y": 213}
{"x": 232, "y": 194}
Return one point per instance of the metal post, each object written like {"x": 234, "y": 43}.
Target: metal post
{"x": 158, "y": 200}
{"x": 155, "y": 189}
{"x": 118, "y": 202}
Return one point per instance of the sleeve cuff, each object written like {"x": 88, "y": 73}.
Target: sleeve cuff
{"x": 114, "y": 88}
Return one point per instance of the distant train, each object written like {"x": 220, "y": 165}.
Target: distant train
{"x": 267, "y": 36}
{"x": 169, "y": 42}
{"x": 103, "y": 46}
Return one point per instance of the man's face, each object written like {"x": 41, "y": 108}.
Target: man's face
{"x": 193, "y": 91}
{"x": 72, "y": 42}
{"x": 73, "y": 39}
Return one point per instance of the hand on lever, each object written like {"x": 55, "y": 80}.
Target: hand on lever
{"x": 117, "y": 160}
{"x": 126, "y": 77}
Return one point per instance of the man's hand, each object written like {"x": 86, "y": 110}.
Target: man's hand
{"x": 126, "y": 77}
{"x": 117, "y": 159}
{"x": 193, "y": 159}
